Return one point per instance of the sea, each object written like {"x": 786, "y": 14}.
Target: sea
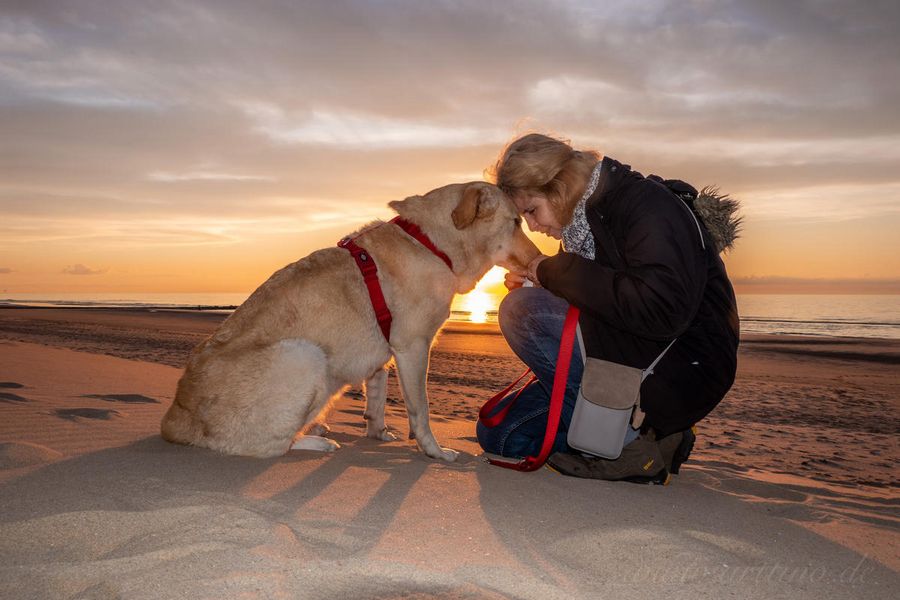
{"x": 866, "y": 316}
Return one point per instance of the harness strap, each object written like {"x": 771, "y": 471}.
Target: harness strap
{"x": 563, "y": 361}
{"x": 415, "y": 232}
{"x": 369, "y": 270}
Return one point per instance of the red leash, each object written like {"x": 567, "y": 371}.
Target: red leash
{"x": 492, "y": 421}
{"x": 563, "y": 361}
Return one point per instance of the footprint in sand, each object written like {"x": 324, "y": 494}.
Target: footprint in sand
{"x": 129, "y": 398}
{"x": 72, "y": 414}
{"x": 22, "y": 454}
{"x": 9, "y": 396}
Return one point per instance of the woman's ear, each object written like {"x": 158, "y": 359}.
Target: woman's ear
{"x": 477, "y": 202}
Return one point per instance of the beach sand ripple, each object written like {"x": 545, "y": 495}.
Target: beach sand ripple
{"x": 14, "y": 455}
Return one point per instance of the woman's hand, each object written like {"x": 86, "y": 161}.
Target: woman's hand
{"x": 515, "y": 278}
{"x": 532, "y": 269}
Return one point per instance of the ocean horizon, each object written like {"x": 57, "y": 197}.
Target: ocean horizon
{"x": 829, "y": 315}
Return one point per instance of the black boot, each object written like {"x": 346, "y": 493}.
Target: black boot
{"x": 676, "y": 448}
{"x": 640, "y": 462}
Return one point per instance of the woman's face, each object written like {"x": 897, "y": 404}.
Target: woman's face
{"x": 537, "y": 212}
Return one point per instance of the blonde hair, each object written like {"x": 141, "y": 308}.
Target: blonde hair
{"x": 542, "y": 164}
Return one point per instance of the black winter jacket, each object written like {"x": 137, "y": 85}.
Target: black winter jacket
{"x": 652, "y": 281}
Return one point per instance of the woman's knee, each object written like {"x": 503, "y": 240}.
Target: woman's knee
{"x": 518, "y": 308}
{"x": 486, "y": 438}
{"x": 513, "y": 307}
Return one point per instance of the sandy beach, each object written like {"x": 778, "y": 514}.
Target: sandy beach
{"x": 791, "y": 491}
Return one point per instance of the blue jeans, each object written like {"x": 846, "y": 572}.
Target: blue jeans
{"x": 531, "y": 320}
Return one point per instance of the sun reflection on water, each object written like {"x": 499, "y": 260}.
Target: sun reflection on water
{"x": 483, "y": 299}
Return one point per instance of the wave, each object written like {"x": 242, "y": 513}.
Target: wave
{"x": 822, "y": 328}
{"x": 12, "y": 302}
{"x": 820, "y": 321}
{"x": 847, "y": 316}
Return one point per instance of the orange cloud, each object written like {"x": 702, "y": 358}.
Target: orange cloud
{"x": 80, "y": 269}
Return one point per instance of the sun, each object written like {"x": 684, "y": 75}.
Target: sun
{"x": 478, "y": 303}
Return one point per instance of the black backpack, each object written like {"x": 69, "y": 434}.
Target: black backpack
{"x": 717, "y": 212}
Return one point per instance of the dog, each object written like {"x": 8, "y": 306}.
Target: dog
{"x": 261, "y": 383}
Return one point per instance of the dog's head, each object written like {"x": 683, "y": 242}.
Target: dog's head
{"x": 477, "y": 220}
{"x": 484, "y": 206}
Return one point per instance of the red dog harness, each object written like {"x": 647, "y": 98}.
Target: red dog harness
{"x": 369, "y": 270}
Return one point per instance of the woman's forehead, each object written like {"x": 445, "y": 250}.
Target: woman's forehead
{"x": 521, "y": 201}
{"x": 525, "y": 200}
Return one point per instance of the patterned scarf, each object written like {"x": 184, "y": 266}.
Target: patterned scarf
{"x": 576, "y": 236}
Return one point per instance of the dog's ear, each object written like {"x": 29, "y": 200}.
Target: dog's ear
{"x": 399, "y": 205}
{"x": 477, "y": 203}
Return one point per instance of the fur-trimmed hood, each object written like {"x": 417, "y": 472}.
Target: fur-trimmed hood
{"x": 718, "y": 212}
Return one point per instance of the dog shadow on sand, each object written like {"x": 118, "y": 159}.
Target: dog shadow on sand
{"x": 332, "y": 504}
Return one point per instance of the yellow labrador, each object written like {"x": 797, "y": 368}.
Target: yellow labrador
{"x": 273, "y": 367}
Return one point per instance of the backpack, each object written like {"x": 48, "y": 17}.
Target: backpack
{"x": 717, "y": 212}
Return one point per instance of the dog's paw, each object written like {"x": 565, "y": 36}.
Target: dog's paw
{"x": 318, "y": 429}
{"x": 382, "y": 434}
{"x": 314, "y": 442}
{"x": 445, "y": 454}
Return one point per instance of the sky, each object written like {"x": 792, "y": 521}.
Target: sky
{"x": 154, "y": 146}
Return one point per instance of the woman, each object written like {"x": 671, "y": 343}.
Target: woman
{"x": 644, "y": 272}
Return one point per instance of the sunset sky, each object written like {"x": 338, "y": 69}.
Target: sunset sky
{"x": 198, "y": 146}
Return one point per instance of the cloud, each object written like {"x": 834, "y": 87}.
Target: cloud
{"x": 80, "y": 269}
{"x": 822, "y": 202}
{"x": 288, "y": 216}
{"x": 189, "y": 119}
{"x": 563, "y": 94}
{"x": 778, "y": 153}
{"x": 356, "y": 130}
{"x": 398, "y": 74}
{"x": 169, "y": 177}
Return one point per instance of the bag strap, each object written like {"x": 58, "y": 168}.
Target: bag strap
{"x": 649, "y": 370}
{"x": 637, "y": 417}
{"x": 563, "y": 361}
{"x": 484, "y": 415}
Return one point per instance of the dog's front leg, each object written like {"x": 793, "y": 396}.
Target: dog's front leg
{"x": 412, "y": 368}
{"x": 376, "y": 394}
